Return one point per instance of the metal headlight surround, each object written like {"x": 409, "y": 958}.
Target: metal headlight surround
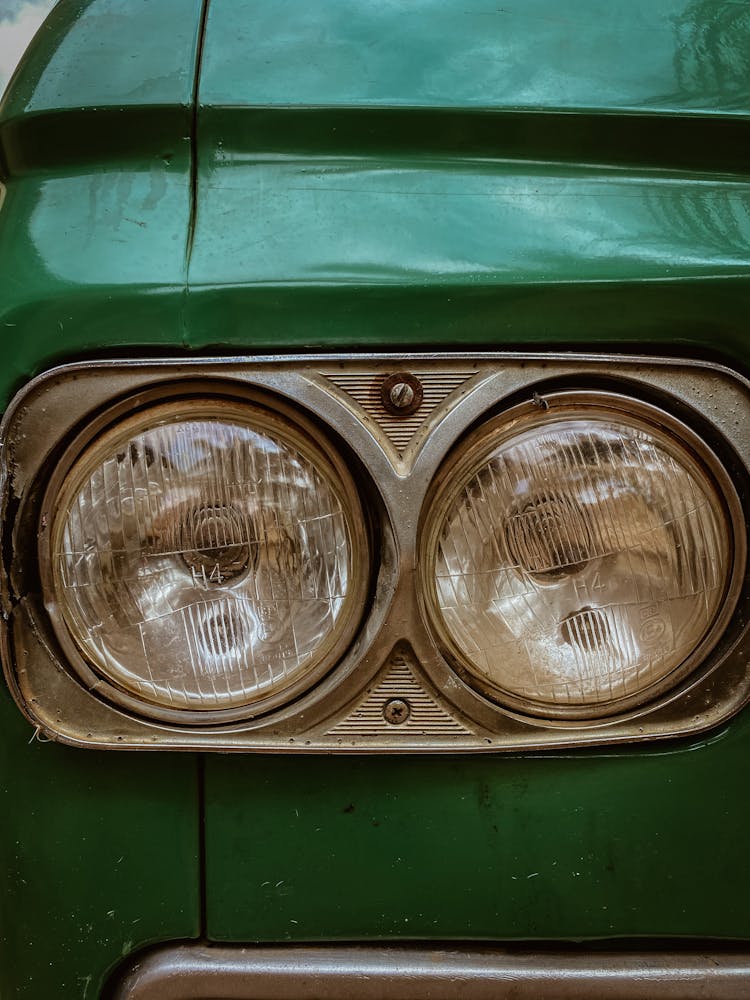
{"x": 569, "y": 544}
{"x": 201, "y": 534}
{"x": 395, "y": 685}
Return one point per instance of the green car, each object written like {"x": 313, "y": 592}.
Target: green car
{"x": 374, "y": 501}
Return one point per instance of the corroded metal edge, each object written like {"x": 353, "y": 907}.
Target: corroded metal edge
{"x": 197, "y": 971}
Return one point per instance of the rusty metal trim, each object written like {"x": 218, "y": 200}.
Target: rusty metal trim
{"x": 343, "y": 972}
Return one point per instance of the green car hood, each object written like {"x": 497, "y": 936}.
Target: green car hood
{"x": 450, "y": 173}
{"x": 354, "y": 174}
{"x": 672, "y": 57}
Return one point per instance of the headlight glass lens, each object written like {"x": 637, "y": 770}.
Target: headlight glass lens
{"x": 576, "y": 557}
{"x": 208, "y": 554}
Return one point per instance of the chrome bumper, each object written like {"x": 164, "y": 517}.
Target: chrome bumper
{"x": 198, "y": 971}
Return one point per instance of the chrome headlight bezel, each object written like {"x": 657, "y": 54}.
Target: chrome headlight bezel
{"x": 269, "y": 415}
{"x": 474, "y": 450}
{"x": 392, "y": 653}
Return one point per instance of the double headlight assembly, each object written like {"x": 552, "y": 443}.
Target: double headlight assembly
{"x": 352, "y": 554}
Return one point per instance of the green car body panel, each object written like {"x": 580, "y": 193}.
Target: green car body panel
{"x": 251, "y": 175}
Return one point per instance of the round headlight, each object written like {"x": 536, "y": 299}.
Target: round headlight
{"x": 207, "y": 555}
{"x": 581, "y": 555}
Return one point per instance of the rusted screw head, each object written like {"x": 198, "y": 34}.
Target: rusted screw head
{"x": 396, "y": 711}
{"x": 401, "y": 394}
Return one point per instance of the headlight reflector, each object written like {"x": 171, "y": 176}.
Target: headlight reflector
{"x": 577, "y": 557}
{"x": 207, "y": 555}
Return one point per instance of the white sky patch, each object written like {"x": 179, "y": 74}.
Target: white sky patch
{"x": 19, "y": 20}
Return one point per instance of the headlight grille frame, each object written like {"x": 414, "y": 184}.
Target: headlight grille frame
{"x": 394, "y": 658}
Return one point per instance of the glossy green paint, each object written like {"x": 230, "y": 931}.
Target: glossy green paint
{"x": 99, "y": 855}
{"x": 325, "y": 246}
{"x": 101, "y": 54}
{"x": 368, "y": 174}
{"x": 630, "y": 843}
{"x": 96, "y": 165}
{"x": 609, "y": 55}
{"x": 444, "y": 174}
